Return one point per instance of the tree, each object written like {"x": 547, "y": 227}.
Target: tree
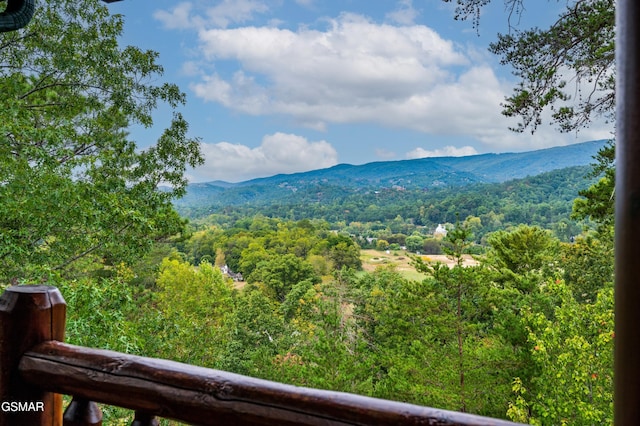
{"x": 598, "y": 200}
{"x": 343, "y": 252}
{"x": 382, "y": 245}
{"x": 578, "y": 47}
{"x": 414, "y": 243}
{"x": 525, "y": 249}
{"x": 457, "y": 241}
{"x": 460, "y": 291}
{"x": 73, "y": 184}
{"x": 588, "y": 266}
{"x": 192, "y": 305}
{"x": 573, "y": 354}
{"x": 280, "y": 274}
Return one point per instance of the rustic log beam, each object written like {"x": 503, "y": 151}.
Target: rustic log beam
{"x": 210, "y": 397}
{"x": 627, "y": 216}
{"x": 28, "y": 315}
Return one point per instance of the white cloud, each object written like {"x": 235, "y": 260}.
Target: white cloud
{"x": 177, "y": 18}
{"x": 223, "y": 14}
{"x": 354, "y": 70}
{"x": 405, "y": 14}
{"x": 235, "y": 11}
{"x": 447, "y": 151}
{"x": 278, "y": 153}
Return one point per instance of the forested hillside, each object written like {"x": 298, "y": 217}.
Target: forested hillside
{"x": 339, "y": 182}
{"x": 545, "y": 200}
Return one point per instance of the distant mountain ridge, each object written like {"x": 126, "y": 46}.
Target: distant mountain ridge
{"x": 431, "y": 172}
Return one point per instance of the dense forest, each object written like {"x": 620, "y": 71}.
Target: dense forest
{"x": 284, "y": 292}
{"x": 527, "y": 334}
{"x": 543, "y": 200}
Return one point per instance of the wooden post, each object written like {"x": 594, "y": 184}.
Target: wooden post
{"x": 145, "y": 419}
{"x": 29, "y": 315}
{"x": 627, "y": 235}
{"x": 82, "y": 412}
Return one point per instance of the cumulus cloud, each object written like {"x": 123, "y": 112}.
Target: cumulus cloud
{"x": 447, "y": 151}
{"x": 352, "y": 70}
{"x": 278, "y": 153}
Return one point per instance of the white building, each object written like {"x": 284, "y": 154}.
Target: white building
{"x": 440, "y": 231}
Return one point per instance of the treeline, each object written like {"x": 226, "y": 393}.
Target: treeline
{"x": 544, "y": 200}
{"x": 526, "y": 335}
{"x": 250, "y": 241}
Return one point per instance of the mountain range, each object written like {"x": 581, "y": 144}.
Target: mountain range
{"x": 423, "y": 173}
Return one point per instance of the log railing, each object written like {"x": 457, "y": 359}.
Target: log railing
{"x": 36, "y": 368}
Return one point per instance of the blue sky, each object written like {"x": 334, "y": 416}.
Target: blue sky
{"x": 281, "y": 86}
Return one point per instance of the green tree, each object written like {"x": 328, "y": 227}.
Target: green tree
{"x": 573, "y": 353}
{"x": 382, "y": 245}
{"x": 343, "y": 252}
{"x": 73, "y": 183}
{"x": 460, "y": 291}
{"x": 457, "y": 242}
{"x": 597, "y": 202}
{"x": 414, "y": 243}
{"x": 524, "y": 249}
{"x": 254, "y": 334}
{"x": 279, "y": 274}
{"x": 588, "y": 266}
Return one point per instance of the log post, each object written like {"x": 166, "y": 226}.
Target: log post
{"x": 145, "y": 419}
{"x": 82, "y": 412}
{"x": 29, "y": 315}
{"x": 627, "y": 215}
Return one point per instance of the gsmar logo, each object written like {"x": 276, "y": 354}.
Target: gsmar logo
{"x": 13, "y": 406}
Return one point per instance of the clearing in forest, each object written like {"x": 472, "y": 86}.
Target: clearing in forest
{"x": 401, "y": 260}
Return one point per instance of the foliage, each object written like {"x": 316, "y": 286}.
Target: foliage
{"x": 279, "y": 275}
{"x": 588, "y": 266}
{"x": 102, "y": 314}
{"x": 499, "y": 339}
{"x": 573, "y": 352}
{"x": 73, "y": 184}
{"x": 343, "y": 252}
{"x": 597, "y": 201}
{"x": 523, "y": 249}
{"x": 544, "y": 200}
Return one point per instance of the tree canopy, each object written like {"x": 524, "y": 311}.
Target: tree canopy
{"x": 72, "y": 182}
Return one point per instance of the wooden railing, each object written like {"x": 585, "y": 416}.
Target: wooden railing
{"x": 36, "y": 368}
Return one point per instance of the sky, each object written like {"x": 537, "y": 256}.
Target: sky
{"x": 284, "y": 86}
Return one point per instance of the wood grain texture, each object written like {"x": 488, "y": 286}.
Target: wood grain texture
{"x": 210, "y": 397}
